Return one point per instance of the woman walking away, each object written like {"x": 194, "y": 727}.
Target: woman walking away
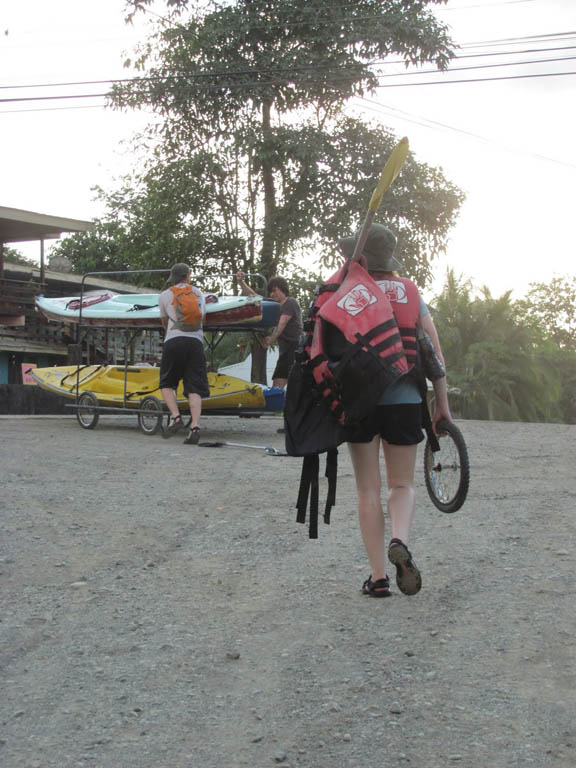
{"x": 398, "y": 425}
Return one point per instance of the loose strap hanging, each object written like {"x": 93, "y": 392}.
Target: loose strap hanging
{"x": 309, "y": 490}
{"x": 331, "y": 475}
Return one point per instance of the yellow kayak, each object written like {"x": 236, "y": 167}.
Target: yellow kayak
{"x": 114, "y": 385}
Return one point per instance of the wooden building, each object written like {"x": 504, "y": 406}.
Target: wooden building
{"x": 26, "y": 337}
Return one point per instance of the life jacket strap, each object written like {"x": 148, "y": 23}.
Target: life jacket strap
{"x": 378, "y": 329}
{"x": 409, "y": 339}
{"x": 391, "y": 341}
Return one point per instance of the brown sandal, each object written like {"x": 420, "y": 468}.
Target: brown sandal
{"x": 175, "y": 424}
{"x": 193, "y": 436}
{"x": 378, "y": 588}
{"x": 408, "y": 577}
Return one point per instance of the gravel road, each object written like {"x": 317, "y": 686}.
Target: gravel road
{"x": 161, "y": 608}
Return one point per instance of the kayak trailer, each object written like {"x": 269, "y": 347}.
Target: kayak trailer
{"x": 252, "y": 400}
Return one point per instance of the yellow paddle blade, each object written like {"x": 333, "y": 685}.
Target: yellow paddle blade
{"x": 389, "y": 172}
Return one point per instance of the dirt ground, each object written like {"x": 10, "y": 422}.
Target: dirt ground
{"x": 161, "y": 608}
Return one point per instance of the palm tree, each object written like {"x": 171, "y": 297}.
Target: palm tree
{"x": 497, "y": 361}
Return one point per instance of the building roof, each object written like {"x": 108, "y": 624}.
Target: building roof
{"x": 17, "y": 226}
{"x": 69, "y": 281}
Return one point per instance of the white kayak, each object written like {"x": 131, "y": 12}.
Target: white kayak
{"x": 141, "y": 309}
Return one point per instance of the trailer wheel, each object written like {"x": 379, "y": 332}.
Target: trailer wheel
{"x": 150, "y": 416}
{"x": 87, "y": 411}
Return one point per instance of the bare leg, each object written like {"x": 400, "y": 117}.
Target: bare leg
{"x": 365, "y": 460}
{"x": 195, "y": 403}
{"x": 279, "y": 383}
{"x": 400, "y": 463}
{"x": 170, "y": 400}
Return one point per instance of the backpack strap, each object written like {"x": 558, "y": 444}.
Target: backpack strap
{"x": 308, "y": 490}
{"x": 331, "y": 475}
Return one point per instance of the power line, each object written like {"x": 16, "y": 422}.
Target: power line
{"x": 285, "y": 70}
{"x": 293, "y": 69}
{"x": 546, "y": 36}
{"x": 480, "y": 66}
{"x": 487, "y": 5}
{"x": 429, "y": 123}
{"x": 477, "y": 80}
{"x": 282, "y": 70}
{"x": 317, "y": 11}
{"x": 538, "y": 38}
{"x": 270, "y": 83}
{"x": 52, "y": 109}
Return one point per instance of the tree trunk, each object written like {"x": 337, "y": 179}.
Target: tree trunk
{"x": 268, "y": 262}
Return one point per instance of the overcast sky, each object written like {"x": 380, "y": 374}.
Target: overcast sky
{"x": 509, "y": 144}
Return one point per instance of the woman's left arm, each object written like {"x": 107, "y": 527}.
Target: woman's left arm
{"x": 428, "y": 325}
{"x": 441, "y": 405}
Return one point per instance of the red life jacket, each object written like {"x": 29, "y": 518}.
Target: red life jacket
{"x": 357, "y": 348}
{"x": 405, "y": 301}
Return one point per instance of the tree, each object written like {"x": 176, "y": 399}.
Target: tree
{"x": 15, "y": 257}
{"x": 101, "y": 250}
{"x": 250, "y": 96}
{"x": 255, "y": 163}
{"x": 552, "y": 308}
{"x": 500, "y": 364}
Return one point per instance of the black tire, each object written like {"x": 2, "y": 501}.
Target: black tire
{"x": 150, "y": 422}
{"x": 87, "y": 413}
{"x": 447, "y": 472}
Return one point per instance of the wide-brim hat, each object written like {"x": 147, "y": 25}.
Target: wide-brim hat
{"x": 378, "y": 249}
{"x": 178, "y": 274}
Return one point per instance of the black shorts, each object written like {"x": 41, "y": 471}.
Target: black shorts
{"x": 183, "y": 360}
{"x": 285, "y": 361}
{"x": 399, "y": 424}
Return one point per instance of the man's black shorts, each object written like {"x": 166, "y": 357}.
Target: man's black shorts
{"x": 399, "y": 424}
{"x": 183, "y": 360}
{"x": 285, "y": 361}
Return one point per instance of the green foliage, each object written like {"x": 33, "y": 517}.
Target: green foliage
{"x": 505, "y": 368}
{"x": 421, "y": 206}
{"x": 15, "y": 257}
{"x": 291, "y": 53}
{"x": 552, "y": 308}
{"x": 100, "y": 250}
{"x": 227, "y": 349}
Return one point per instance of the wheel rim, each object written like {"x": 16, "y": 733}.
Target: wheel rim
{"x": 444, "y": 470}
{"x": 150, "y": 416}
{"x": 86, "y": 413}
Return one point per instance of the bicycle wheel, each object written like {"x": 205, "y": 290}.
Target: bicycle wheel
{"x": 87, "y": 413}
{"x": 447, "y": 471}
{"x": 150, "y": 415}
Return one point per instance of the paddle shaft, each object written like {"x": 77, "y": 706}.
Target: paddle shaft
{"x": 389, "y": 173}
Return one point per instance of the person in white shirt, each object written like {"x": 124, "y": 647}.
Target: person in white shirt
{"x": 182, "y": 358}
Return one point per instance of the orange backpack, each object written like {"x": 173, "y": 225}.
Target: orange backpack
{"x": 188, "y": 311}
